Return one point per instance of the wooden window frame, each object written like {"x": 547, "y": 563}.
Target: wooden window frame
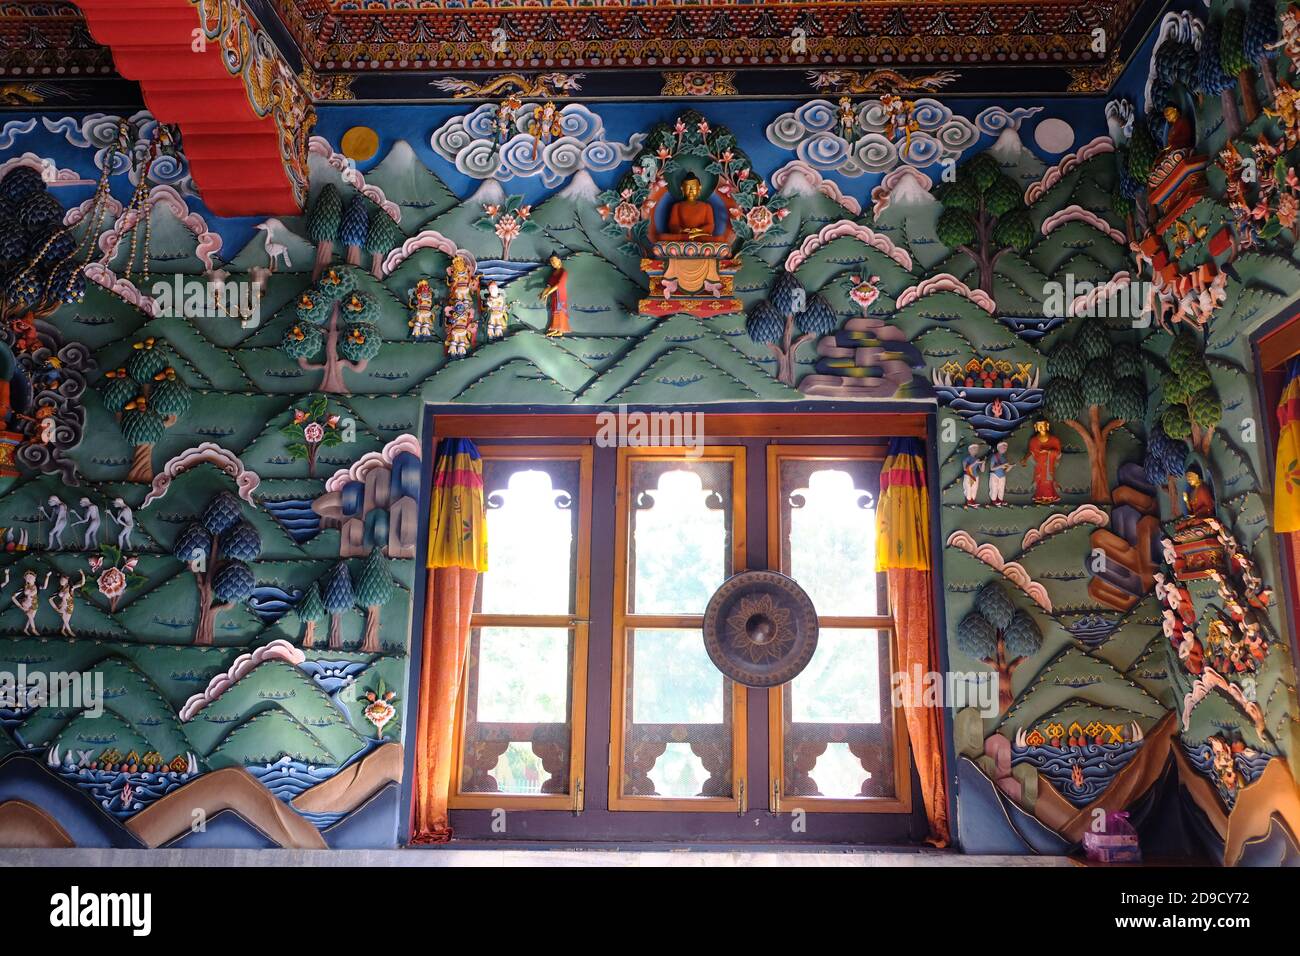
{"x": 624, "y": 623}
{"x": 901, "y": 802}
{"x": 578, "y": 624}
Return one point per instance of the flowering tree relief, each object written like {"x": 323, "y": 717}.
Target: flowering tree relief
{"x": 508, "y": 220}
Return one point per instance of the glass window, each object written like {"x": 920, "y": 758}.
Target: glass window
{"x": 524, "y": 694}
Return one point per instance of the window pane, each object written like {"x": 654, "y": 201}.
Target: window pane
{"x": 678, "y": 727}
{"x": 680, "y": 540}
{"x": 841, "y": 684}
{"x": 838, "y": 721}
{"x": 531, "y": 528}
{"x": 517, "y": 732}
{"x": 828, "y": 533}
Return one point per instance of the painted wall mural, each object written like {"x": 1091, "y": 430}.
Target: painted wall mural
{"x": 210, "y": 456}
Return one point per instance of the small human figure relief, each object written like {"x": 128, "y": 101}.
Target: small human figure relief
{"x": 556, "y": 296}
{"x": 1045, "y": 449}
{"x": 971, "y": 467}
{"x": 91, "y": 519}
{"x": 899, "y": 118}
{"x": 420, "y": 302}
{"x": 1245, "y": 230}
{"x": 505, "y": 118}
{"x": 1178, "y": 622}
{"x": 460, "y": 321}
{"x": 498, "y": 311}
{"x": 1225, "y": 763}
{"x": 64, "y": 602}
{"x": 544, "y": 126}
{"x": 27, "y": 599}
{"x": 58, "y": 518}
{"x": 1285, "y": 111}
{"x": 848, "y": 118}
{"x": 124, "y": 518}
{"x": 999, "y": 463}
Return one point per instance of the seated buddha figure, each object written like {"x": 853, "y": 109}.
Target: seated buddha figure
{"x": 691, "y": 218}
{"x": 1198, "y": 499}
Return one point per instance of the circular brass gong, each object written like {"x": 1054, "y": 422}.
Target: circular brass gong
{"x": 760, "y": 628}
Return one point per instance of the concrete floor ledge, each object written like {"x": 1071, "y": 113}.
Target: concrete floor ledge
{"x": 520, "y": 857}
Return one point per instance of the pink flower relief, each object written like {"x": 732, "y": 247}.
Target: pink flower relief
{"x": 664, "y": 153}
{"x": 680, "y": 128}
{"x": 112, "y": 584}
{"x": 332, "y": 421}
{"x": 507, "y": 227}
{"x": 728, "y": 156}
{"x": 761, "y": 190}
{"x": 525, "y": 212}
{"x": 782, "y": 213}
{"x": 491, "y": 209}
{"x": 703, "y": 127}
{"x": 313, "y": 433}
{"x": 299, "y": 416}
{"x": 736, "y": 212}
{"x": 626, "y": 215}
{"x": 96, "y": 563}
{"x": 743, "y": 174}
{"x": 626, "y": 194}
{"x": 759, "y": 219}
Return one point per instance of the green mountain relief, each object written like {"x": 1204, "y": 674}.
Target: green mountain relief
{"x": 1074, "y": 675}
{"x": 406, "y": 181}
{"x": 516, "y": 380}
{"x": 847, "y": 256}
{"x": 275, "y": 687}
{"x": 684, "y": 333}
{"x": 131, "y": 705}
{"x": 266, "y": 737}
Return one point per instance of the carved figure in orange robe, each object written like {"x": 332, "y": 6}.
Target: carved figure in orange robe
{"x": 1045, "y": 449}
{"x": 1198, "y": 498}
{"x": 556, "y": 296}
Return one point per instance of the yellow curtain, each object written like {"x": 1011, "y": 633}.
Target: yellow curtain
{"x": 457, "y": 527}
{"x": 1286, "y": 474}
{"x": 903, "y": 513}
{"x": 903, "y": 553}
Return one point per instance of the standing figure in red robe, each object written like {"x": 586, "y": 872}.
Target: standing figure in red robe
{"x": 556, "y": 297}
{"x": 1045, "y": 449}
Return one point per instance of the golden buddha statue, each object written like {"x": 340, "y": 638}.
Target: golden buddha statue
{"x": 691, "y": 218}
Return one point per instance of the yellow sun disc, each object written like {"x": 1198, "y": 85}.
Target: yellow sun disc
{"x": 360, "y": 143}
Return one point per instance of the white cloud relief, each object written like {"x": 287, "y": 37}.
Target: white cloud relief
{"x": 469, "y": 142}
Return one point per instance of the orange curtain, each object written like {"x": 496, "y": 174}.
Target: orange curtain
{"x": 447, "y": 609}
{"x": 903, "y": 553}
{"x": 457, "y": 553}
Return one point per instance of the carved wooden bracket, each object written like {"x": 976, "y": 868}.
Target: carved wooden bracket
{"x": 209, "y": 68}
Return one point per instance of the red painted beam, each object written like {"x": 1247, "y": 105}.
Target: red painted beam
{"x": 234, "y": 154}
